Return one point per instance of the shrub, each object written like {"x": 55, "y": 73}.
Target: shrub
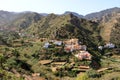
{"x": 116, "y": 78}
{"x": 5, "y": 75}
{"x": 92, "y": 73}
{"x": 82, "y": 76}
{"x": 72, "y": 73}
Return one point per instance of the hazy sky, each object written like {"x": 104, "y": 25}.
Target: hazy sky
{"x": 58, "y": 6}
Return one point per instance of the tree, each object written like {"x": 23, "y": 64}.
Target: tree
{"x": 15, "y": 53}
{"x": 95, "y": 63}
{"x": 2, "y": 59}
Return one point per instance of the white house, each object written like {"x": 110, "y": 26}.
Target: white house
{"x": 100, "y": 47}
{"x": 109, "y": 45}
{"x": 59, "y": 43}
{"x": 46, "y": 45}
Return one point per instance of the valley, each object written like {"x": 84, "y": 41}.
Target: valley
{"x": 34, "y": 46}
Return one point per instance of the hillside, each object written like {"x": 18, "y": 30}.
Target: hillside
{"x": 6, "y": 17}
{"x": 106, "y": 27}
{"x": 25, "y": 20}
{"x": 64, "y": 27}
{"x": 40, "y": 46}
{"x": 70, "y": 23}
{"x": 107, "y": 20}
{"x": 100, "y": 15}
{"x": 13, "y": 21}
{"x": 115, "y": 33}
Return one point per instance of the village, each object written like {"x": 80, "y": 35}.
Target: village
{"x": 78, "y": 50}
{"x": 68, "y": 46}
{"x": 72, "y": 46}
{"x": 67, "y": 57}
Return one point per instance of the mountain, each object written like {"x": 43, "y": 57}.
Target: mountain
{"x": 24, "y": 20}
{"x": 115, "y": 33}
{"x": 6, "y": 17}
{"x": 102, "y": 14}
{"x": 52, "y": 25}
{"x": 76, "y": 14}
{"x": 108, "y": 20}
{"x": 65, "y": 27}
{"x": 43, "y": 14}
{"x": 109, "y": 26}
{"x": 92, "y": 27}
{"x": 13, "y": 21}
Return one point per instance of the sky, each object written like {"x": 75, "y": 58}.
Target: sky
{"x": 58, "y": 6}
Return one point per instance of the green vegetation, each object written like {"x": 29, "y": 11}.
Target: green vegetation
{"x": 22, "y": 54}
{"x": 82, "y": 76}
{"x": 116, "y": 34}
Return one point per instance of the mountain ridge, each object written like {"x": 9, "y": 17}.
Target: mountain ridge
{"x": 52, "y": 25}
